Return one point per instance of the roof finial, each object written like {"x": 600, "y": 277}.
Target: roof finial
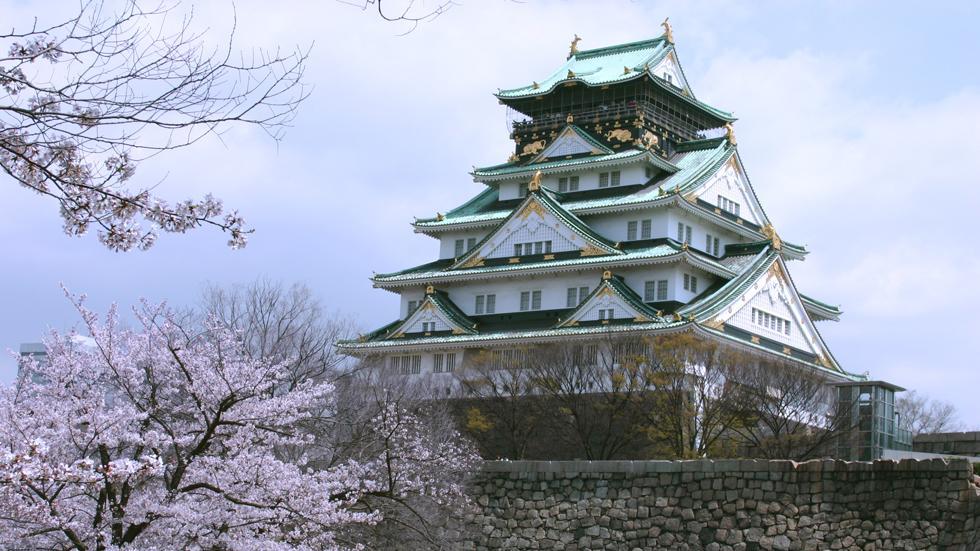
{"x": 573, "y": 48}
{"x": 606, "y": 275}
{"x": 430, "y": 290}
{"x": 535, "y": 183}
{"x": 569, "y": 119}
{"x": 730, "y": 133}
{"x": 440, "y": 216}
{"x": 771, "y": 235}
{"x": 668, "y": 30}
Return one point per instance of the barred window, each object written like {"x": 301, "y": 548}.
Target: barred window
{"x": 603, "y": 179}
{"x": 460, "y": 247}
{"x": 631, "y": 230}
{"x": 407, "y": 365}
{"x": 646, "y": 230}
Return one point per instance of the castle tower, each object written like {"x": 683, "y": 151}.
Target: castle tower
{"x": 624, "y": 209}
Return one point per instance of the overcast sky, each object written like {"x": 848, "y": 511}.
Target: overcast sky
{"x": 859, "y": 124}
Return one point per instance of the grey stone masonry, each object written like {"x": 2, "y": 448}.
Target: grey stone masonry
{"x": 726, "y": 505}
{"x": 953, "y": 443}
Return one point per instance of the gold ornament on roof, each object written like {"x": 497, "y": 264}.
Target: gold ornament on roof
{"x": 649, "y": 140}
{"x": 573, "y": 47}
{"x": 730, "y": 133}
{"x": 430, "y": 290}
{"x": 570, "y": 119}
{"x": 533, "y": 148}
{"x": 535, "y": 85}
{"x": 606, "y": 275}
{"x": 668, "y": 30}
{"x": 621, "y": 134}
{"x": 626, "y": 70}
{"x": 771, "y": 235}
{"x": 571, "y": 74}
{"x": 535, "y": 183}
{"x": 513, "y": 158}
{"x": 440, "y": 216}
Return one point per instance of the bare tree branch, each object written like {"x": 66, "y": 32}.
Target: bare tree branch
{"x": 83, "y": 101}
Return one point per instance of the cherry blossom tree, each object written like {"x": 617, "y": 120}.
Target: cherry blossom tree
{"x": 174, "y": 436}
{"x": 85, "y": 99}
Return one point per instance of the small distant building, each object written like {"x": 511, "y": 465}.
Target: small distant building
{"x": 34, "y": 350}
{"x": 948, "y": 443}
{"x": 875, "y": 424}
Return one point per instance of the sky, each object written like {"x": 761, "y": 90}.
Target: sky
{"x": 858, "y": 125}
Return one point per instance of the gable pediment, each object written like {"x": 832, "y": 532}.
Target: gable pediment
{"x": 670, "y": 70}
{"x": 730, "y": 186}
{"x": 772, "y": 308}
{"x": 538, "y": 226}
{"x": 611, "y": 301}
{"x": 571, "y": 141}
{"x": 435, "y": 314}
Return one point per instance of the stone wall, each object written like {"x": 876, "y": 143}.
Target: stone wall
{"x": 954, "y": 443}
{"x": 726, "y": 505}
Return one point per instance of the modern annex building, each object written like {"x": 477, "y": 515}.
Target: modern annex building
{"x": 625, "y": 209}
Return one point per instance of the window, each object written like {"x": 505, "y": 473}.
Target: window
{"x": 690, "y": 283}
{"x": 522, "y": 190}
{"x": 726, "y": 204}
{"x": 648, "y": 172}
{"x": 645, "y": 229}
{"x": 607, "y": 179}
{"x": 577, "y": 295}
{"x": 443, "y": 363}
{"x": 655, "y": 290}
{"x": 614, "y": 178}
{"x": 536, "y": 247}
{"x": 530, "y": 300}
{"x": 428, "y": 326}
{"x": 771, "y": 322}
{"x": 669, "y": 78}
{"x": 407, "y": 365}
{"x": 470, "y": 243}
{"x": 711, "y": 244}
{"x": 485, "y": 304}
{"x": 460, "y": 244}
{"x": 683, "y": 232}
{"x": 566, "y": 184}
{"x": 505, "y": 359}
{"x": 607, "y": 313}
{"x": 412, "y": 305}
{"x": 603, "y": 179}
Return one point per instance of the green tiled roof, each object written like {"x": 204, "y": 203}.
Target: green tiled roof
{"x": 685, "y": 166}
{"x": 605, "y": 66}
{"x": 667, "y": 250}
{"x": 515, "y": 169}
{"x": 821, "y": 309}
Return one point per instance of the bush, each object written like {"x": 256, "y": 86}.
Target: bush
{"x": 976, "y": 469}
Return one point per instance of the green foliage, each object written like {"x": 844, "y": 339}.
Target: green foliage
{"x": 976, "y": 469}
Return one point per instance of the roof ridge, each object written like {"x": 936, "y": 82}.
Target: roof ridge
{"x": 616, "y": 48}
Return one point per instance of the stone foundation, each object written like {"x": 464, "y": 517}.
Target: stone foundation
{"x": 726, "y": 505}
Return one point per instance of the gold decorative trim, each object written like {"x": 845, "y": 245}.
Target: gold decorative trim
{"x": 514, "y": 260}
{"x": 715, "y": 323}
{"x": 591, "y": 250}
{"x": 605, "y": 291}
{"x": 571, "y": 74}
{"x": 606, "y": 275}
{"x": 570, "y": 119}
{"x": 641, "y": 319}
{"x": 771, "y": 235}
{"x": 533, "y": 148}
{"x": 755, "y": 339}
{"x": 549, "y": 257}
{"x": 786, "y": 350}
{"x": 429, "y": 290}
{"x": 534, "y": 207}
{"x": 473, "y": 262}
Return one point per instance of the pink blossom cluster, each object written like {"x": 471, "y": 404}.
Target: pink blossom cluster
{"x": 169, "y": 436}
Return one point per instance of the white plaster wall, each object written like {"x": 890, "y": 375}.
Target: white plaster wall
{"x": 699, "y": 229}
{"x": 447, "y": 242}
{"x": 631, "y": 174}
{"x": 406, "y": 296}
{"x": 613, "y": 226}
